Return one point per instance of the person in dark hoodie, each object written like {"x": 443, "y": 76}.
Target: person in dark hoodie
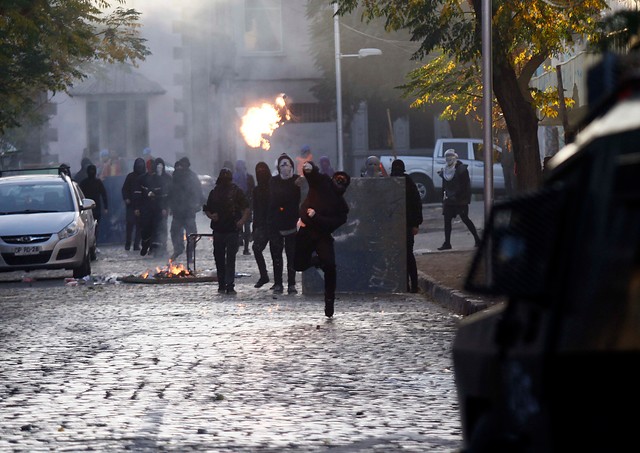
{"x": 260, "y": 200}
{"x": 132, "y": 221}
{"x": 151, "y": 196}
{"x": 228, "y": 209}
{"x": 456, "y": 196}
{"x": 413, "y": 206}
{"x": 322, "y": 212}
{"x": 185, "y": 200}
{"x": 284, "y": 201}
{"x": 93, "y": 188}
{"x": 82, "y": 173}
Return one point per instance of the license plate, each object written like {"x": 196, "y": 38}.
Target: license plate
{"x": 26, "y": 250}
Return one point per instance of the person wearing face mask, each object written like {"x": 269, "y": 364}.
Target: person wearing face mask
{"x": 456, "y": 196}
{"x": 323, "y": 211}
{"x": 282, "y": 216}
{"x": 260, "y": 200}
{"x": 132, "y": 221}
{"x": 151, "y": 198}
{"x": 372, "y": 168}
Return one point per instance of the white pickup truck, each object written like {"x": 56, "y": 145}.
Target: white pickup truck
{"x": 423, "y": 169}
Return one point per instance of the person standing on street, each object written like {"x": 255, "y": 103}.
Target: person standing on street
{"x": 246, "y": 182}
{"x": 260, "y": 199}
{"x": 151, "y": 196}
{"x": 228, "y": 209}
{"x": 413, "y": 207}
{"x": 185, "y": 200}
{"x": 93, "y": 188}
{"x": 284, "y": 201}
{"x": 322, "y": 212}
{"x": 132, "y": 221}
{"x": 456, "y": 190}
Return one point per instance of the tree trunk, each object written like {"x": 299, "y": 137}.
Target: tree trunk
{"x": 522, "y": 124}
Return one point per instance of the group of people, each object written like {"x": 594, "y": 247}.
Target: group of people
{"x": 267, "y": 210}
{"x": 296, "y": 230}
{"x": 150, "y": 196}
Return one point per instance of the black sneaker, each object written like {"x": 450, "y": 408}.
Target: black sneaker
{"x": 144, "y": 250}
{"x": 261, "y": 282}
{"x": 328, "y": 308}
{"x": 445, "y": 246}
{"x": 231, "y": 290}
{"x": 222, "y": 289}
{"x": 277, "y": 288}
{"x": 292, "y": 289}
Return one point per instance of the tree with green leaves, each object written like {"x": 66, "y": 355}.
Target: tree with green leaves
{"x": 525, "y": 33}
{"x": 47, "y": 45}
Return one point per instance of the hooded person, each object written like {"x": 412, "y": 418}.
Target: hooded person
{"x": 413, "y": 212}
{"x": 372, "y": 167}
{"x": 260, "y": 206}
{"x": 325, "y": 166}
{"x": 322, "y": 212}
{"x": 185, "y": 200}
{"x": 132, "y": 221}
{"x": 82, "y": 173}
{"x": 456, "y": 196}
{"x": 282, "y": 216}
{"x": 228, "y": 209}
{"x": 93, "y": 188}
{"x": 244, "y": 181}
{"x": 151, "y": 197}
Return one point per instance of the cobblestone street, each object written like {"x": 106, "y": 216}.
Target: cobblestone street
{"x": 112, "y": 366}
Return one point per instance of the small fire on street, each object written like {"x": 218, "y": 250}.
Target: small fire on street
{"x": 171, "y": 273}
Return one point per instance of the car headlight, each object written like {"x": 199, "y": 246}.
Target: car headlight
{"x": 70, "y": 230}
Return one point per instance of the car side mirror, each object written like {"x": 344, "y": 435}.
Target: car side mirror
{"x": 87, "y": 203}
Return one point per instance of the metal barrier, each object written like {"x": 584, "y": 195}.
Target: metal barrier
{"x": 192, "y": 240}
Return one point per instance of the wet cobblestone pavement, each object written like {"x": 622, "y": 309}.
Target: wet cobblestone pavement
{"x": 112, "y": 366}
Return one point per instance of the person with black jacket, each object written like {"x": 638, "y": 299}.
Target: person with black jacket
{"x": 282, "y": 216}
{"x": 322, "y": 212}
{"x": 456, "y": 196}
{"x": 185, "y": 200}
{"x": 151, "y": 196}
{"x": 132, "y": 221}
{"x": 413, "y": 205}
{"x": 93, "y": 188}
{"x": 228, "y": 209}
{"x": 260, "y": 200}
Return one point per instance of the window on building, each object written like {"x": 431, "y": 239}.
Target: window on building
{"x": 120, "y": 125}
{"x": 263, "y": 25}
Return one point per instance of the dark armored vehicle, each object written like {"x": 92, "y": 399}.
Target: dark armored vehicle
{"x": 557, "y": 367}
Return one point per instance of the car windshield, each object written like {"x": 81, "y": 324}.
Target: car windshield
{"x": 34, "y": 198}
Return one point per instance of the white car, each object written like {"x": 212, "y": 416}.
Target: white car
{"x": 45, "y": 223}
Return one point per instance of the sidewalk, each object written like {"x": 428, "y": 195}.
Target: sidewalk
{"x": 441, "y": 274}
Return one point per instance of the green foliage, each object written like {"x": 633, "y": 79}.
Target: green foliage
{"x": 45, "y": 44}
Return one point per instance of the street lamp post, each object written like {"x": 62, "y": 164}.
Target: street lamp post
{"x": 362, "y": 53}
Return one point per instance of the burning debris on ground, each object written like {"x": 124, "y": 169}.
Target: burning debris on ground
{"x": 171, "y": 273}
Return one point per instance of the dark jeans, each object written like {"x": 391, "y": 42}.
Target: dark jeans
{"x": 308, "y": 242}
{"x": 225, "y": 247}
{"x": 182, "y": 225}
{"x": 132, "y": 222}
{"x": 412, "y": 268}
{"x": 150, "y": 219}
{"x": 260, "y": 241}
{"x": 450, "y": 213}
{"x": 278, "y": 243}
{"x": 245, "y": 235}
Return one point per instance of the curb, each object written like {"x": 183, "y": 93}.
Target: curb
{"x": 456, "y": 301}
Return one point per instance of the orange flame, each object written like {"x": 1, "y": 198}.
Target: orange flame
{"x": 260, "y": 122}
{"x": 169, "y": 271}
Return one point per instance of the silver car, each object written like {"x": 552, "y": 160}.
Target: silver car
{"x": 45, "y": 223}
